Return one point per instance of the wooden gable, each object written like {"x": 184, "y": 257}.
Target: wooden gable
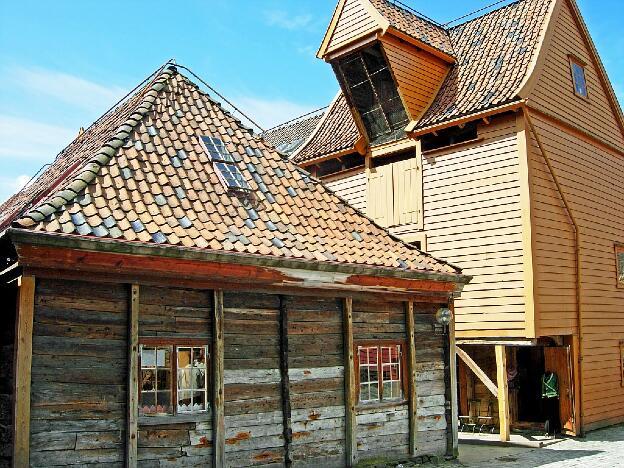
{"x": 551, "y": 87}
{"x": 352, "y": 20}
{"x": 418, "y": 74}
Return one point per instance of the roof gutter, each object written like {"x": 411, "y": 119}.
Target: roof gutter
{"x": 185, "y": 253}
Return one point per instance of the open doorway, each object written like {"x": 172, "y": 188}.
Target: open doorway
{"x": 525, "y": 389}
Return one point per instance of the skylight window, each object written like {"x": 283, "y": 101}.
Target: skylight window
{"x": 224, "y": 163}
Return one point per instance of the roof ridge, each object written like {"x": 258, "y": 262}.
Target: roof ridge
{"x": 479, "y": 17}
{"x": 319, "y": 124}
{"x": 402, "y": 6}
{"x": 102, "y": 157}
{"x": 306, "y": 116}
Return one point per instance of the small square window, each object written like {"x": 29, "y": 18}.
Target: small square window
{"x": 380, "y": 372}
{"x": 578, "y": 77}
{"x": 174, "y": 371}
{"x": 619, "y": 265}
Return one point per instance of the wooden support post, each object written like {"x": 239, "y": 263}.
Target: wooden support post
{"x": 412, "y": 401}
{"x": 453, "y": 372}
{"x": 285, "y": 382}
{"x": 477, "y": 370}
{"x": 23, "y": 366}
{"x": 218, "y": 413}
{"x": 503, "y": 400}
{"x": 132, "y": 435}
{"x": 349, "y": 376}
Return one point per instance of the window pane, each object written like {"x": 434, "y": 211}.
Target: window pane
{"x": 184, "y": 402}
{"x": 374, "y": 59}
{"x": 199, "y": 401}
{"x": 231, "y": 175}
{"x": 384, "y": 85}
{"x": 184, "y": 357}
{"x": 375, "y": 123}
{"x": 353, "y": 71}
{"x": 164, "y": 379}
{"x": 395, "y": 112}
{"x": 148, "y": 380}
{"x": 148, "y": 357}
{"x": 363, "y": 97}
{"x": 162, "y": 357}
{"x": 199, "y": 357}
{"x": 374, "y": 391}
{"x": 148, "y": 403}
{"x": 579, "y": 79}
{"x": 621, "y": 267}
{"x": 199, "y": 378}
{"x": 163, "y": 402}
{"x": 184, "y": 379}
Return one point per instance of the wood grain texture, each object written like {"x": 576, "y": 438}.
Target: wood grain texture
{"x": 218, "y": 391}
{"x": 23, "y": 366}
{"x": 133, "y": 378}
{"x": 411, "y": 363}
{"x": 503, "y": 392}
{"x": 350, "y": 390}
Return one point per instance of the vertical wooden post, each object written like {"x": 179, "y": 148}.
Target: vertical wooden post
{"x": 349, "y": 375}
{"x": 23, "y": 366}
{"x": 218, "y": 413}
{"x": 133, "y": 379}
{"x": 503, "y": 401}
{"x": 453, "y": 374}
{"x": 285, "y": 382}
{"x": 411, "y": 398}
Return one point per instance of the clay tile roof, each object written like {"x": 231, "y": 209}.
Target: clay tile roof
{"x": 493, "y": 54}
{"x": 140, "y": 175}
{"x": 335, "y": 132}
{"x": 289, "y": 136}
{"x": 414, "y": 25}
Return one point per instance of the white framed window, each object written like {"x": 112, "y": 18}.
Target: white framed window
{"x": 380, "y": 371}
{"x": 174, "y": 377}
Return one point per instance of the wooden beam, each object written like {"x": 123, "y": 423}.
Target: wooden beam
{"x": 285, "y": 383}
{"x": 350, "y": 394}
{"x": 491, "y": 386}
{"x": 218, "y": 412}
{"x": 23, "y": 365}
{"x": 133, "y": 379}
{"x": 453, "y": 371}
{"x": 503, "y": 393}
{"x": 411, "y": 398}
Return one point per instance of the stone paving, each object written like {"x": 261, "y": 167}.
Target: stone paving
{"x": 603, "y": 448}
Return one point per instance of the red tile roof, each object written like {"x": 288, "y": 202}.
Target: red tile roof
{"x": 288, "y": 137}
{"x": 140, "y": 175}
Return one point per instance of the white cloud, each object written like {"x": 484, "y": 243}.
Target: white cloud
{"x": 283, "y": 19}
{"x": 269, "y": 113}
{"x": 67, "y": 88}
{"x": 32, "y": 140}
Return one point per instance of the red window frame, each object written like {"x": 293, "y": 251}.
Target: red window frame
{"x": 174, "y": 344}
{"x": 402, "y": 369}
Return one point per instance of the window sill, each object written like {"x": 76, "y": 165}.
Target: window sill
{"x": 180, "y": 419}
{"x": 454, "y": 145}
{"x": 383, "y": 405}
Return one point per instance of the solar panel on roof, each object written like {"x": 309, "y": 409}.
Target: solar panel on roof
{"x": 231, "y": 176}
{"x": 216, "y": 149}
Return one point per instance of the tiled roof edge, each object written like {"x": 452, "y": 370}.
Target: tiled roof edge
{"x": 478, "y": 17}
{"x": 90, "y": 170}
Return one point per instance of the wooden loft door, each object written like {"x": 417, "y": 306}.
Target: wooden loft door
{"x": 559, "y": 360}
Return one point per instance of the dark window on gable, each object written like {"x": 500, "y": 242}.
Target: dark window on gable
{"x": 369, "y": 84}
{"x": 578, "y": 77}
{"x": 344, "y": 163}
{"x": 450, "y": 136}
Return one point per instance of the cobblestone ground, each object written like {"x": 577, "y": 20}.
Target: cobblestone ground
{"x": 600, "y": 449}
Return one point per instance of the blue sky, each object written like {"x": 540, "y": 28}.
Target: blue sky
{"x": 63, "y": 63}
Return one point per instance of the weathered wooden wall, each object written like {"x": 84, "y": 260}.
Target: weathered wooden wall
{"x": 7, "y": 338}
{"x": 253, "y": 410}
{"x": 175, "y": 313}
{"x": 79, "y": 366}
{"x": 316, "y": 373}
{"x": 385, "y": 430}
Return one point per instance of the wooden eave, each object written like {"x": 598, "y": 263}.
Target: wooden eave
{"x": 117, "y": 260}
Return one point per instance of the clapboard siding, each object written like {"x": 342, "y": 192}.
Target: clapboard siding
{"x": 316, "y": 375}
{"x": 472, "y": 218}
{"x": 591, "y": 179}
{"x": 418, "y": 74}
{"x": 253, "y": 405}
{"x": 554, "y": 91}
{"x": 79, "y": 369}
{"x": 354, "y": 21}
{"x": 175, "y": 313}
{"x": 350, "y": 186}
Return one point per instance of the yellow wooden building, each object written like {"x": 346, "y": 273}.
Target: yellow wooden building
{"x": 498, "y": 145}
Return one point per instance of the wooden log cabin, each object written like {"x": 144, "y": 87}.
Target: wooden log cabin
{"x": 187, "y": 297}
{"x": 497, "y": 144}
